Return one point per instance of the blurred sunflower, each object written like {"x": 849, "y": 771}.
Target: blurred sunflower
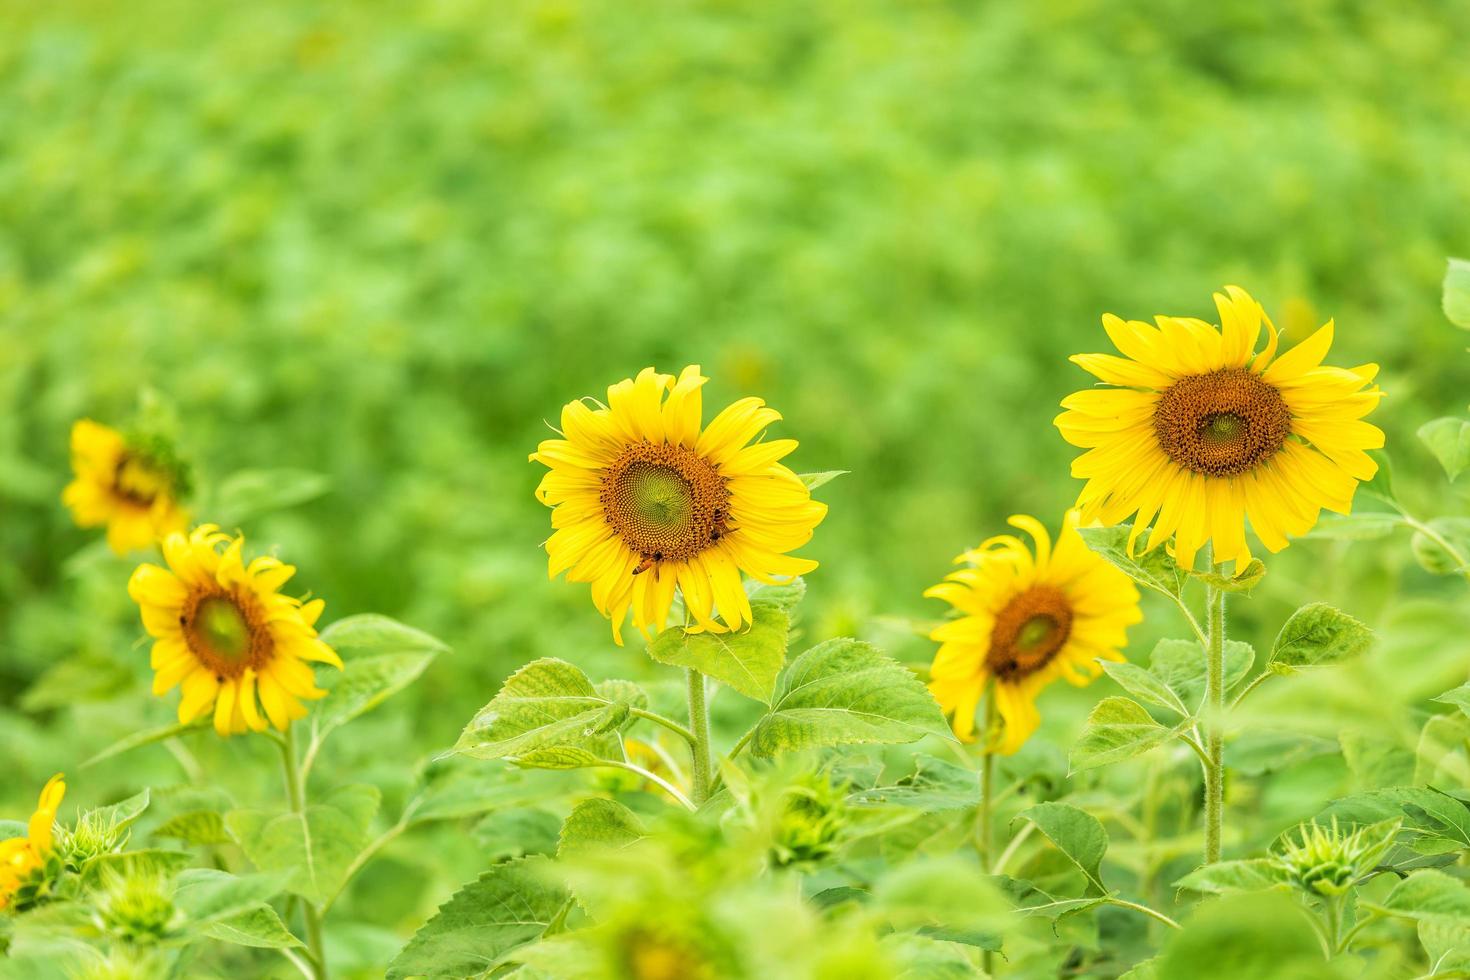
{"x": 130, "y": 487}
{"x": 1026, "y": 620}
{"x": 647, "y": 500}
{"x": 1199, "y": 431}
{"x": 21, "y": 857}
{"x": 223, "y": 630}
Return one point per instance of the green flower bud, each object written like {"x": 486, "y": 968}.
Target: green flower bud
{"x": 138, "y": 909}
{"x": 811, "y": 823}
{"x": 1328, "y": 861}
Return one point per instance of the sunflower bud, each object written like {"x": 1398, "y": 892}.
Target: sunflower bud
{"x": 1328, "y": 860}
{"x": 811, "y": 823}
{"x": 138, "y": 909}
{"x": 97, "y": 832}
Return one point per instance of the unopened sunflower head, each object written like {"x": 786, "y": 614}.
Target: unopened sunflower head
{"x": 25, "y": 861}
{"x": 132, "y": 484}
{"x": 811, "y": 823}
{"x": 1329, "y": 860}
{"x": 138, "y": 908}
{"x": 1026, "y": 619}
{"x": 648, "y": 501}
{"x": 1198, "y": 428}
{"x": 224, "y": 632}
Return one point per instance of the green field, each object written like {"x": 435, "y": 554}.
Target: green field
{"x": 383, "y": 244}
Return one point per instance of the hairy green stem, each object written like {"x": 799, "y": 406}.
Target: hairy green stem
{"x": 1214, "y": 721}
{"x": 1152, "y": 913}
{"x": 668, "y": 723}
{"x": 699, "y": 728}
{"x": 987, "y": 806}
{"x": 296, "y": 797}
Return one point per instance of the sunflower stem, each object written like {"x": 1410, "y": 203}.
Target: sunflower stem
{"x": 1214, "y": 721}
{"x": 296, "y": 797}
{"x": 699, "y": 728}
{"x": 987, "y": 806}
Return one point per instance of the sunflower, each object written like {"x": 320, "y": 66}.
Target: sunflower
{"x": 131, "y": 488}
{"x": 223, "y": 631}
{"x": 1199, "y": 431}
{"x": 647, "y": 501}
{"x": 21, "y": 857}
{"x": 1026, "y": 620}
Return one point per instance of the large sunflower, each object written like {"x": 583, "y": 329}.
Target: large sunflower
{"x": 21, "y": 857}
{"x": 132, "y": 489}
{"x": 223, "y": 630}
{"x": 1026, "y": 621}
{"x": 646, "y": 502}
{"x": 1199, "y": 431}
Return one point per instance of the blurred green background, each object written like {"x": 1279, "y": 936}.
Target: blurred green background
{"x": 384, "y": 242}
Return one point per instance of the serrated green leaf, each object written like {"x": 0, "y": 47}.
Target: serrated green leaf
{"x": 1427, "y": 896}
{"x": 312, "y": 849}
{"x": 381, "y": 657}
{"x": 1152, "y": 570}
{"x": 1365, "y": 526}
{"x": 1315, "y": 635}
{"x": 195, "y": 827}
{"x": 120, "y": 816}
{"x": 260, "y": 928}
{"x": 1180, "y": 664}
{"x": 1457, "y": 293}
{"x": 1440, "y": 758}
{"x": 1145, "y": 685}
{"x": 545, "y": 707}
{"x": 814, "y": 480}
{"x": 506, "y": 907}
{"x": 1117, "y": 729}
{"x": 1077, "y": 834}
{"x": 845, "y": 692}
{"x": 747, "y": 660}
{"x": 786, "y": 596}
{"x": 1223, "y": 877}
{"x": 598, "y": 823}
{"x": 1449, "y": 440}
{"x": 1425, "y": 811}
{"x": 250, "y": 493}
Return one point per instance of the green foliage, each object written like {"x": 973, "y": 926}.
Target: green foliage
{"x": 1117, "y": 729}
{"x": 1315, "y": 635}
{"x": 1077, "y": 834}
{"x": 1449, "y": 440}
{"x": 1152, "y": 569}
{"x": 747, "y": 660}
{"x": 548, "y": 714}
{"x": 312, "y": 849}
{"x": 845, "y": 692}
{"x": 1457, "y": 293}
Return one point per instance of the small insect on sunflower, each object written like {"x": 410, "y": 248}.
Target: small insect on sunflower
{"x": 646, "y": 500}
{"x": 22, "y": 857}
{"x": 1199, "y": 431}
{"x": 1025, "y": 621}
{"x": 131, "y": 488}
{"x": 224, "y": 632}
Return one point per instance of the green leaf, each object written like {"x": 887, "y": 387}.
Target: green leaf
{"x": 844, "y": 692}
{"x": 195, "y": 827}
{"x": 507, "y": 834}
{"x": 1457, "y": 293}
{"x": 250, "y": 493}
{"x": 208, "y": 895}
{"x": 1243, "y": 581}
{"x": 1180, "y": 664}
{"x": 362, "y": 685}
{"x": 260, "y": 927}
{"x": 598, "y": 823}
{"x": 1244, "y": 937}
{"x": 1425, "y": 811}
{"x": 1430, "y": 550}
{"x": 1077, "y": 834}
{"x": 456, "y": 787}
{"x": 140, "y": 739}
{"x": 1317, "y": 634}
{"x": 1153, "y": 570}
{"x": 1117, "y": 729}
{"x": 1449, "y": 440}
{"x": 506, "y": 907}
{"x": 1459, "y": 697}
{"x": 1427, "y": 896}
{"x": 1145, "y": 685}
{"x": 120, "y": 816}
{"x": 542, "y": 709}
{"x": 1256, "y": 753}
{"x": 934, "y": 785}
{"x": 1381, "y": 486}
{"x": 1223, "y": 877}
{"x": 314, "y": 849}
{"x": 747, "y": 660}
{"x": 814, "y": 480}
{"x": 785, "y": 597}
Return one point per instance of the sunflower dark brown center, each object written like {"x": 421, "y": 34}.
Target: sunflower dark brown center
{"x": 1028, "y": 632}
{"x": 223, "y": 634}
{"x": 139, "y": 480}
{"x": 1221, "y": 424}
{"x": 666, "y": 502}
